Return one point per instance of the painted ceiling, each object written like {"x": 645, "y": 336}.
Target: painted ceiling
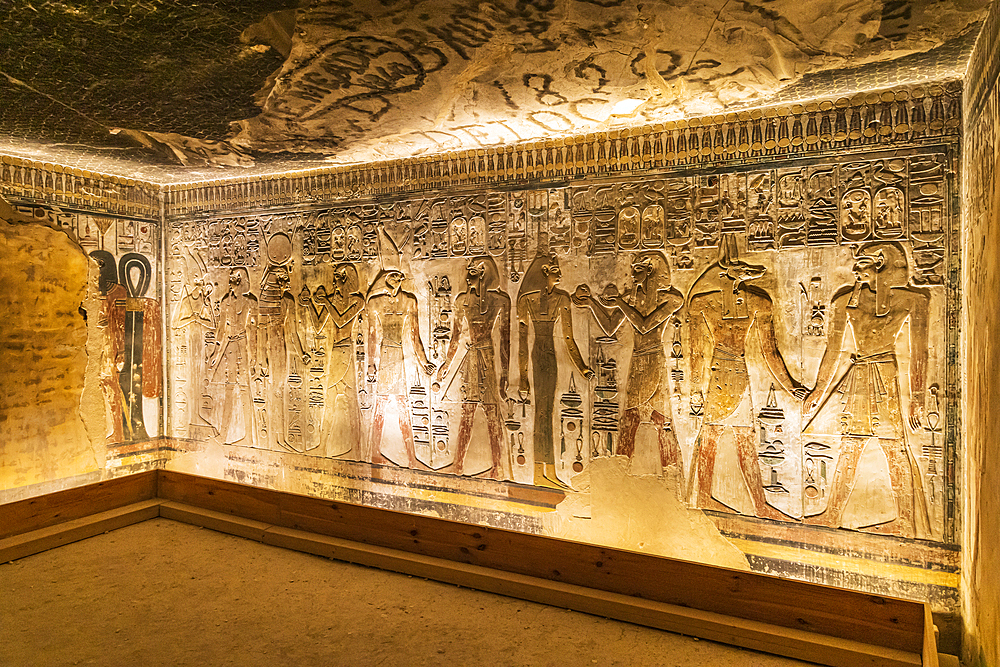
{"x": 182, "y": 90}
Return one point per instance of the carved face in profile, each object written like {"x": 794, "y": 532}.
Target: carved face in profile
{"x": 393, "y": 280}
{"x": 552, "y": 272}
{"x": 481, "y": 275}
{"x": 345, "y": 281}
{"x": 474, "y": 275}
{"x": 865, "y": 268}
{"x": 235, "y": 280}
{"x": 642, "y": 271}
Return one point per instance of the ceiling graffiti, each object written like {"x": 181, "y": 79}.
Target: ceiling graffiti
{"x": 175, "y": 90}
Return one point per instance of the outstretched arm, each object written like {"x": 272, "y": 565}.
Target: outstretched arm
{"x": 700, "y": 334}
{"x": 251, "y": 329}
{"x": 566, "y": 315}
{"x": 504, "y": 316}
{"x": 918, "y": 355}
{"x": 456, "y": 332}
{"x": 834, "y": 343}
{"x": 646, "y": 323}
{"x": 523, "y": 315}
{"x": 769, "y": 347}
{"x": 413, "y": 315}
{"x": 609, "y": 320}
{"x": 374, "y": 336}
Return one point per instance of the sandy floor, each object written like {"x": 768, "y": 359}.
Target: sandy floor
{"x": 165, "y": 593}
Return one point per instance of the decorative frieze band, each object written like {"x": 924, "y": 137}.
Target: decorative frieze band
{"x": 27, "y": 180}
{"x": 865, "y": 121}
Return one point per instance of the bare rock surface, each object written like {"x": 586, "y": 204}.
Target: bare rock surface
{"x": 386, "y": 80}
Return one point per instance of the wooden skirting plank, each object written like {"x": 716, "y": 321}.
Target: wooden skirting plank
{"x": 792, "y": 643}
{"x": 930, "y": 652}
{"x": 32, "y": 514}
{"x": 796, "y": 619}
{"x": 249, "y": 502}
{"x": 850, "y": 615}
{"x": 224, "y": 523}
{"x": 36, "y": 541}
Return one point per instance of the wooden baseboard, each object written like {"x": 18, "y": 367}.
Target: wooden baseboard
{"x": 805, "y": 621}
{"x": 765, "y": 637}
{"x": 50, "y": 537}
{"x": 24, "y": 516}
{"x": 851, "y": 615}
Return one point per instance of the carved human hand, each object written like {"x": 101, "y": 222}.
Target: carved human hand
{"x": 582, "y": 295}
{"x": 214, "y": 357}
{"x": 811, "y": 401}
{"x": 524, "y": 389}
{"x": 610, "y": 296}
{"x": 799, "y": 391}
{"x": 429, "y": 368}
{"x": 916, "y": 413}
{"x": 589, "y": 374}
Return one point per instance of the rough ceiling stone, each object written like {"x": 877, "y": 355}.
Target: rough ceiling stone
{"x": 183, "y": 90}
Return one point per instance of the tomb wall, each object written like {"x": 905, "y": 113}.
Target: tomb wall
{"x": 731, "y": 339}
{"x": 981, "y": 211}
{"x": 80, "y": 339}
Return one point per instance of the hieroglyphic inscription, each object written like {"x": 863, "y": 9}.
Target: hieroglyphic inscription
{"x": 710, "y": 328}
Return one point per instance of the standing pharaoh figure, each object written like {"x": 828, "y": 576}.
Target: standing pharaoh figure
{"x": 722, "y": 310}
{"x": 392, "y": 314}
{"x": 482, "y": 307}
{"x": 280, "y": 338}
{"x": 647, "y": 308}
{"x": 540, "y": 305}
{"x": 877, "y": 307}
{"x": 333, "y": 316}
{"x": 234, "y": 362}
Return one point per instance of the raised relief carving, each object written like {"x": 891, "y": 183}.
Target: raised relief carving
{"x": 378, "y": 332}
{"x": 863, "y": 398}
{"x": 480, "y": 309}
{"x": 724, "y": 306}
{"x": 646, "y": 306}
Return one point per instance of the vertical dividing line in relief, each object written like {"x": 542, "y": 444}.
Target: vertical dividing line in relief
{"x": 164, "y": 313}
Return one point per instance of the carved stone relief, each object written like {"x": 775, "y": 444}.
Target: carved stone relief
{"x": 769, "y": 340}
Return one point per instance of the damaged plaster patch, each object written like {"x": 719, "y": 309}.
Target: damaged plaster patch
{"x": 638, "y": 514}
{"x": 43, "y": 356}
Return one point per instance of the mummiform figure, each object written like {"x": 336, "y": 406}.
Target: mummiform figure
{"x": 541, "y": 305}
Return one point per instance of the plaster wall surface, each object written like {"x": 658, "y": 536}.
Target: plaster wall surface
{"x": 981, "y": 555}
{"x": 43, "y": 358}
{"x": 80, "y": 338}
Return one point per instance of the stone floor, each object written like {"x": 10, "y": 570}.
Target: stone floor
{"x": 166, "y": 593}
